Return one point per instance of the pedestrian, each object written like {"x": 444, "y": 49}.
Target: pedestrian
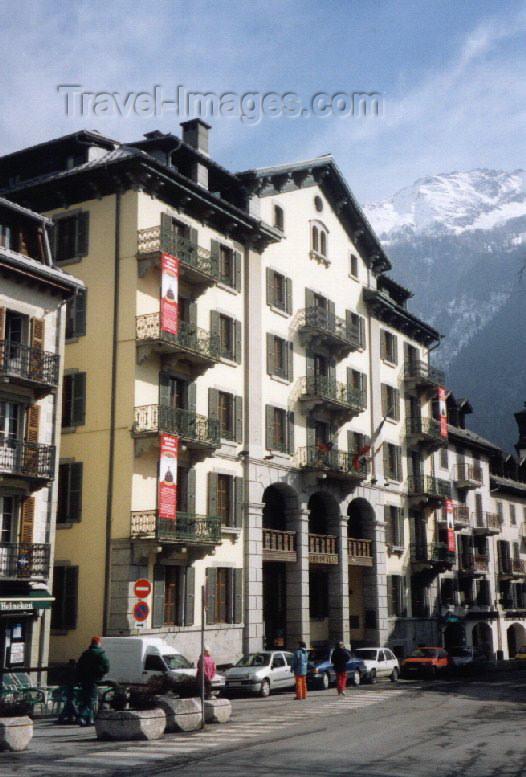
{"x": 340, "y": 657}
{"x": 299, "y": 668}
{"x": 69, "y": 712}
{"x": 91, "y": 668}
{"x": 208, "y": 669}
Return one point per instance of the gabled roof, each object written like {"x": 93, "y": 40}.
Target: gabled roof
{"x": 468, "y": 437}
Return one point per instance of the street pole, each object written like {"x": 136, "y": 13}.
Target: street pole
{"x": 202, "y": 675}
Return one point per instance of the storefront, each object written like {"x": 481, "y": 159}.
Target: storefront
{"x": 20, "y": 620}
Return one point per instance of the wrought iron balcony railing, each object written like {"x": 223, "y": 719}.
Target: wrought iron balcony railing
{"x": 424, "y": 427}
{"x": 422, "y": 371}
{"x": 333, "y": 329}
{"x": 428, "y": 486}
{"x": 468, "y": 475}
{"x": 27, "y": 459}
{"x": 187, "y": 527}
{"x": 27, "y": 364}
{"x": 431, "y": 552}
{"x": 190, "y": 338}
{"x": 474, "y": 563}
{"x": 486, "y": 523}
{"x": 323, "y": 457}
{"x": 505, "y": 566}
{"x": 331, "y": 391}
{"x": 155, "y": 240}
{"x": 23, "y": 560}
{"x": 192, "y": 427}
{"x": 518, "y": 567}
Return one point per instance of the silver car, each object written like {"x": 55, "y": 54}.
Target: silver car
{"x": 380, "y": 662}
{"x": 260, "y": 673}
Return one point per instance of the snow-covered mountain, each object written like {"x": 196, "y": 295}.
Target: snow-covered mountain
{"x": 458, "y": 241}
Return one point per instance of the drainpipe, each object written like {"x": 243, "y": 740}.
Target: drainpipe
{"x": 111, "y": 460}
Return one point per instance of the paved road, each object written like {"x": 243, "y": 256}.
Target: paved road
{"x": 445, "y": 729}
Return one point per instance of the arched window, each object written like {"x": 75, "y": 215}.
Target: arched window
{"x": 315, "y": 238}
{"x": 323, "y": 243}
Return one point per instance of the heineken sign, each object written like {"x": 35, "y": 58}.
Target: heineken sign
{"x": 25, "y": 606}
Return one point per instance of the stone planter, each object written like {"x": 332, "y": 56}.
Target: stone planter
{"x": 15, "y": 733}
{"x": 181, "y": 714}
{"x": 217, "y": 710}
{"x": 130, "y": 724}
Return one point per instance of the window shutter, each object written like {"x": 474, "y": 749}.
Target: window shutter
{"x": 388, "y": 520}
{"x": 211, "y": 585}
{"x": 158, "y": 596}
{"x": 288, "y": 292}
{"x": 189, "y": 598}
{"x": 406, "y": 353}
{"x": 349, "y": 324}
{"x": 82, "y": 233}
{"x": 237, "y": 334}
{"x": 212, "y": 493}
{"x": 332, "y": 370}
{"x": 290, "y": 360}
{"x": 361, "y": 328}
{"x": 395, "y": 349}
{"x": 38, "y": 329}
{"x": 27, "y": 520}
{"x": 399, "y": 463}
{"x": 2, "y": 323}
{"x": 390, "y": 595}
{"x": 311, "y": 432}
{"x": 397, "y": 404}
{"x": 270, "y": 354}
{"x": 164, "y": 388}
{"x": 214, "y": 256}
{"x": 383, "y": 390}
{"x": 192, "y": 313}
{"x": 190, "y": 501}
{"x": 33, "y": 423}
{"x": 79, "y": 397}
{"x": 238, "y": 502}
{"x": 238, "y": 595}
{"x": 74, "y": 503}
{"x": 237, "y": 270}
{"x": 238, "y": 406}
{"x": 350, "y": 441}
{"x": 350, "y": 385}
{"x": 309, "y": 298}
{"x": 401, "y": 527}
{"x": 193, "y": 236}
{"x": 79, "y": 313}
{"x": 331, "y": 310}
{"x": 290, "y": 441}
{"x": 310, "y": 364}
{"x": 382, "y": 343}
{"x": 270, "y": 286}
{"x": 269, "y": 427}
{"x": 387, "y": 473}
{"x": 191, "y": 396}
{"x": 363, "y": 381}
{"x": 166, "y": 230}
{"x": 214, "y": 323}
{"x": 213, "y": 403}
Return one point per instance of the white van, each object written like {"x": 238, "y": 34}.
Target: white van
{"x": 136, "y": 659}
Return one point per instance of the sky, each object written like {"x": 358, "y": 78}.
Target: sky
{"x": 449, "y": 75}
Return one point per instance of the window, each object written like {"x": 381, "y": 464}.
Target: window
{"x": 513, "y": 517}
{"x": 395, "y": 596}
{"x": 483, "y": 593}
{"x": 318, "y": 594}
{"x": 388, "y": 347}
{"x": 448, "y": 588}
{"x": 355, "y": 325}
{"x": 353, "y": 266}
{"x": 394, "y": 518}
{"x": 76, "y": 315}
{"x": 69, "y": 493}
{"x": 357, "y": 385}
{"x": 224, "y": 603}
{"x": 318, "y": 203}
{"x": 279, "y": 429}
{"x": 225, "y": 493}
{"x": 65, "y": 592}
{"x": 70, "y": 236}
{"x": 7, "y": 520}
{"x": 279, "y": 357}
{"x": 228, "y": 331}
{"x": 225, "y": 413}
{"x": 228, "y": 263}
{"x": 173, "y": 595}
{"x": 319, "y": 241}
{"x": 444, "y": 458}
{"x": 279, "y": 218}
{"x": 392, "y": 462}
{"x": 279, "y": 291}
{"x": 74, "y": 399}
{"x": 228, "y": 409}
{"x": 390, "y": 402}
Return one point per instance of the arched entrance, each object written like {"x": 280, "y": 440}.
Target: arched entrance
{"x": 279, "y": 552}
{"x": 362, "y": 583}
{"x": 323, "y": 564}
{"x": 515, "y": 638}
{"x": 454, "y": 635}
{"x": 482, "y": 637}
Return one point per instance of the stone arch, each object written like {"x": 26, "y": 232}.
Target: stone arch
{"x": 482, "y": 637}
{"x": 360, "y": 519}
{"x": 280, "y": 507}
{"x": 324, "y": 513}
{"x": 516, "y": 637}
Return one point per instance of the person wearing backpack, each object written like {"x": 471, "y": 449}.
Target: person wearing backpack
{"x": 91, "y": 668}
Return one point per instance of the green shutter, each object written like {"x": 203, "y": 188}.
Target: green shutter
{"x": 238, "y": 503}
{"x": 238, "y": 407}
{"x": 385, "y": 449}
{"x": 311, "y": 431}
{"x": 383, "y": 393}
{"x": 164, "y": 388}
{"x": 191, "y": 491}
{"x": 395, "y": 349}
{"x": 213, "y": 403}
{"x": 290, "y": 440}
{"x": 331, "y": 310}
{"x": 82, "y": 233}
{"x": 288, "y": 292}
{"x": 309, "y": 356}
{"x": 270, "y": 286}
{"x": 191, "y": 396}
{"x": 349, "y": 324}
{"x": 214, "y": 323}
{"x": 382, "y": 343}
{"x": 192, "y": 313}
{"x": 158, "y": 596}
{"x": 270, "y": 354}
{"x": 237, "y": 334}
{"x": 361, "y": 327}
{"x": 390, "y": 608}
{"x": 309, "y": 298}
{"x": 350, "y": 441}
{"x": 193, "y": 236}
{"x": 388, "y": 520}
{"x": 363, "y": 382}
{"x": 75, "y": 492}
{"x": 401, "y": 527}
{"x": 79, "y": 308}
{"x": 397, "y": 404}
{"x": 214, "y": 257}
{"x": 212, "y": 493}
{"x": 166, "y": 231}
{"x": 211, "y": 579}
{"x": 237, "y": 270}
{"x": 332, "y": 370}
{"x": 238, "y": 595}
{"x": 269, "y": 426}
{"x": 290, "y": 360}
{"x": 189, "y": 599}
{"x": 231, "y": 501}
{"x": 79, "y": 398}
{"x": 399, "y": 463}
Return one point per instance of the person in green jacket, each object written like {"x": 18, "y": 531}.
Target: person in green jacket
{"x": 91, "y": 668}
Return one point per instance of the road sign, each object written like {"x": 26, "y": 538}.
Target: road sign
{"x": 142, "y": 588}
{"x": 141, "y": 611}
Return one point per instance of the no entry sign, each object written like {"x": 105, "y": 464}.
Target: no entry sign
{"x": 142, "y": 588}
{"x": 141, "y": 611}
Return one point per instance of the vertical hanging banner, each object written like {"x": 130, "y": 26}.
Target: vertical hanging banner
{"x": 442, "y": 409}
{"x": 168, "y": 477}
{"x": 169, "y": 293}
{"x": 450, "y": 525}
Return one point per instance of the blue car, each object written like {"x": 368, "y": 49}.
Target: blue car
{"x": 321, "y": 674}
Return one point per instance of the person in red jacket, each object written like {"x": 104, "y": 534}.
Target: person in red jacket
{"x": 208, "y": 671}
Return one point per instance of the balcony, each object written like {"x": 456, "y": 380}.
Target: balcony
{"x": 338, "y": 400}
{"x": 473, "y": 564}
{"x": 24, "y": 560}
{"x": 334, "y": 464}
{"x": 467, "y": 476}
{"x": 322, "y": 549}
{"x": 461, "y": 516}
{"x": 433, "y": 555}
{"x": 21, "y": 365}
{"x": 518, "y": 567}
{"x": 31, "y": 460}
{"x": 198, "y": 433}
{"x": 425, "y": 488}
{"x": 279, "y": 545}
{"x": 486, "y": 523}
{"x": 318, "y": 328}
{"x": 359, "y": 553}
{"x": 195, "y": 345}
{"x": 196, "y": 265}
{"x": 188, "y": 528}
{"x": 425, "y": 432}
{"x": 421, "y": 376}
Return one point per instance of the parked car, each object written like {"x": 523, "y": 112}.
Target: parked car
{"x": 520, "y": 657}
{"x": 320, "y": 670}
{"x": 260, "y": 673}
{"x": 427, "y": 661}
{"x": 379, "y": 662}
{"x": 468, "y": 659}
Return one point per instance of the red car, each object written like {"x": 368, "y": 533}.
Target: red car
{"x": 425, "y": 661}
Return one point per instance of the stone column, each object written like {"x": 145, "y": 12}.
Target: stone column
{"x": 298, "y": 615}
{"x": 375, "y": 584}
{"x": 253, "y": 568}
{"x": 339, "y": 585}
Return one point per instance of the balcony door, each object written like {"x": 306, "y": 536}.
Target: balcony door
{"x": 7, "y": 531}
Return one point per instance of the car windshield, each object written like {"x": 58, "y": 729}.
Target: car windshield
{"x": 176, "y": 661}
{"x": 318, "y": 655}
{"x": 254, "y": 659}
{"x": 424, "y": 652}
{"x": 367, "y": 655}
{"x": 460, "y": 652}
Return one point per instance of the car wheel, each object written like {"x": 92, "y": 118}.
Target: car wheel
{"x": 325, "y": 681}
{"x": 355, "y": 677}
{"x": 265, "y": 689}
{"x": 394, "y": 675}
{"x": 372, "y": 676}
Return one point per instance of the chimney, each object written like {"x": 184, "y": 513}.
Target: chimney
{"x": 520, "y": 447}
{"x": 195, "y": 134}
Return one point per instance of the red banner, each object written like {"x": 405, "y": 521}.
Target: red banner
{"x": 168, "y": 477}
{"x": 450, "y": 518}
{"x": 169, "y": 293}
{"x": 442, "y": 409}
